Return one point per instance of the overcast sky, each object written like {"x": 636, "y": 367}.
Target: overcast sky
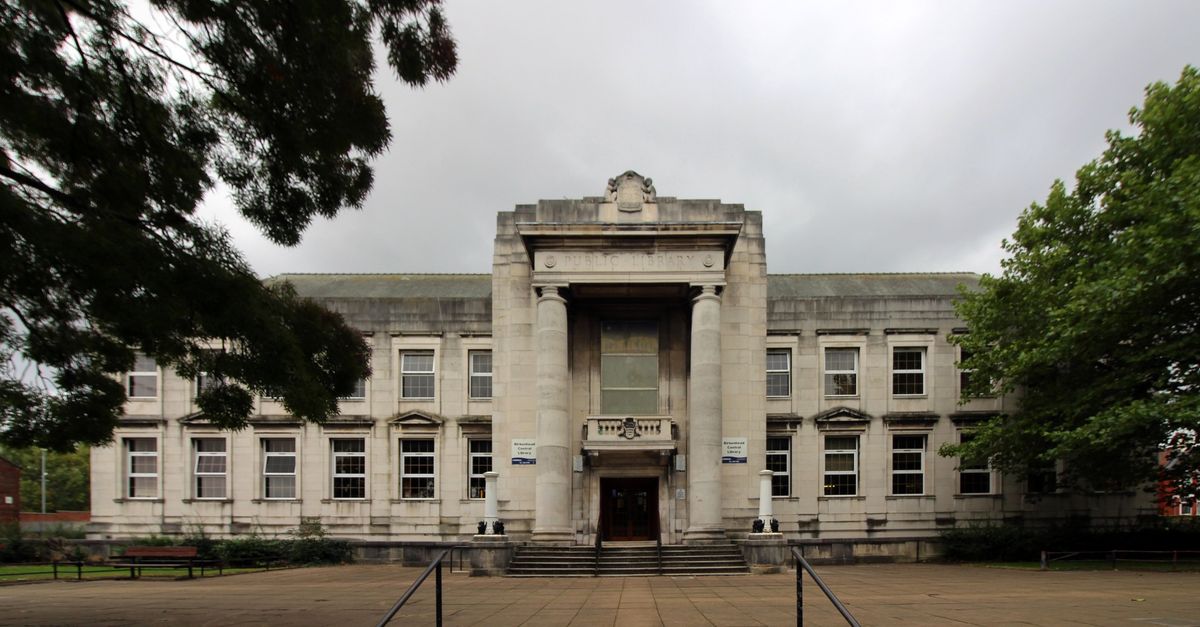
{"x": 873, "y": 137}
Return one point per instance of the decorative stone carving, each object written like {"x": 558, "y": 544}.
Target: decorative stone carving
{"x": 630, "y": 191}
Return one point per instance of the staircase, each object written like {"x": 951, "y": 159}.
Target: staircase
{"x": 627, "y": 560}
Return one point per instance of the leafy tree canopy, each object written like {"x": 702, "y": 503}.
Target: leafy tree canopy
{"x": 112, "y": 129}
{"x": 67, "y": 479}
{"x": 1094, "y": 318}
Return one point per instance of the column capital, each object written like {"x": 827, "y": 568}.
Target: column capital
{"x": 551, "y": 293}
{"x": 707, "y": 292}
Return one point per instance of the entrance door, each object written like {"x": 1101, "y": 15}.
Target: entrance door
{"x": 629, "y": 508}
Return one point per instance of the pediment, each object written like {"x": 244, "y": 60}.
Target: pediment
{"x": 416, "y": 418}
{"x": 842, "y": 415}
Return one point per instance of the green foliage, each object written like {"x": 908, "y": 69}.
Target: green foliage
{"x": 16, "y": 548}
{"x": 67, "y": 478}
{"x": 1095, "y": 316}
{"x": 1010, "y": 543}
{"x": 252, "y": 551}
{"x": 113, "y": 129}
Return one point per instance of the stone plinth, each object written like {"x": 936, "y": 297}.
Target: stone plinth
{"x": 489, "y": 555}
{"x": 766, "y": 553}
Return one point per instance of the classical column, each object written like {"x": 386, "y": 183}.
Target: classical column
{"x": 704, "y": 421}
{"x": 552, "y": 496}
{"x": 765, "y": 511}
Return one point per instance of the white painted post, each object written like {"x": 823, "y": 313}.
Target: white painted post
{"x": 765, "y": 510}
{"x": 490, "y": 498}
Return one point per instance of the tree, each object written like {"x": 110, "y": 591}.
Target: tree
{"x": 113, "y": 128}
{"x": 1094, "y": 318}
{"x": 67, "y": 479}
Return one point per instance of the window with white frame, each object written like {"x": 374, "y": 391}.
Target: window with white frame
{"x": 974, "y": 476}
{"x": 349, "y": 468}
{"x": 204, "y": 379}
{"x": 841, "y": 372}
{"x": 141, "y": 468}
{"x": 416, "y": 469}
{"x": 841, "y": 465}
{"x": 480, "y": 364}
{"x": 480, "y": 461}
{"x": 779, "y": 372}
{"x": 279, "y": 468}
{"x": 779, "y": 461}
{"x": 908, "y": 371}
{"x": 142, "y": 381}
{"x": 209, "y": 467}
{"x": 908, "y": 463}
{"x": 416, "y": 375}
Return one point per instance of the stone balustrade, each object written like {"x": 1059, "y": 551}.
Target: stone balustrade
{"x": 628, "y": 432}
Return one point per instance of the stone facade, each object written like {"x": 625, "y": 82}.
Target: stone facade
{"x": 628, "y": 368}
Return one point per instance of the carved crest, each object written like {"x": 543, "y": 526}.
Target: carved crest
{"x": 629, "y": 428}
{"x": 630, "y": 191}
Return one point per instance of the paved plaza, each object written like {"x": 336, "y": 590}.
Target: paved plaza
{"x": 893, "y": 594}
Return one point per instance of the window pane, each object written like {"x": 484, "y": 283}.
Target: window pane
{"x": 360, "y": 390}
{"x": 280, "y": 464}
{"x": 629, "y": 336}
{"x": 279, "y": 445}
{"x": 841, "y": 443}
{"x": 417, "y": 386}
{"x": 210, "y": 464}
{"x": 144, "y": 363}
{"x": 778, "y": 444}
{"x": 481, "y": 446}
{"x": 777, "y": 463}
{"x": 346, "y": 465}
{"x": 143, "y": 385}
{"x": 841, "y": 485}
{"x": 418, "y": 465}
{"x": 908, "y": 383}
{"x": 629, "y": 371}
{"x": 908, "y": 442}
{"x": 142, "y": 445}
{"x": 349, "y": 487}
{"x": 481, "y": 362}
{"x": 143, "y": 464}
{"x": 481, "y": 387}
{"x": 416, "y": 446}
{"x": 839, "y": 462}
{"x": 281, "y": 487}
{"x": 906, "y": 461}
{"x": 780, "y": 485}
{"x": 777, "y": 360}
{"x": 840, "y": 358}
{"x": 480, "y": 464}
{"x": 477, "y": 488}
{"x": 210, "y": 445}
{"x": 417, "y": 362}
{"x": 210, "y": 487}
{"x": 349, "y": 446}
{"x": 416, "y": 488}
{"x": 907, "y": 484}
{"x": 907, "y": 359}
{"x": 779, "y": 384}
{"x": 143, "y": 487}
{"x": 841, "y": 384}
{"x": 975, "y": 483}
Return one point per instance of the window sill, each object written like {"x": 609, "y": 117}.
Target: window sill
{"x": 840, "y": 397}
{"x": 841, "y": 497}
{"x": 434, "y": 501}
{"x": 785, "y": 499}
{"x": 780, "y": 398}
{"x": 482, "y": 399}
{"x": 198, "y": 500}
{"x": 276, "y": 500}
{"x": 417, "y": 400}
{"x": 346, "y": 500}
{"x": 902, "y": 497}
{"x": 910, "y": 396}
{"x": 991, "y": 495}
{"x": 136, "y": 500}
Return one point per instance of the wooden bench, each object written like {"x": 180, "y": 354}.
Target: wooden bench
{"x": 136, "y": 558}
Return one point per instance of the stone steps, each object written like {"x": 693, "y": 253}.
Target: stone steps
{"x": 627, "y": 561}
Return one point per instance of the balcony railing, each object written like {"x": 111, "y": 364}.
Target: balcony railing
{"x": 629, "y": 432}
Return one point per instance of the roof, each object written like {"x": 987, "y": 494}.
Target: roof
{"x": 900, "y": 284}
{"x": 389, "y": 285}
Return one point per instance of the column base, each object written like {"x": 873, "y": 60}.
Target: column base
{"x": 705, "y": 536}
{"x": 560, "y": 537}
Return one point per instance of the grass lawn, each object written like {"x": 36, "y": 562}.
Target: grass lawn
{"x": 68, "y": 572}
{"x": 1155, "y": 566}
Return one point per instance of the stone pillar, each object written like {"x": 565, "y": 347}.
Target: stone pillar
{"x": 552, "y": 495}
{"x": 765, "y": 511}
{"x": 704, "y": 421}
{"x": 491, "y": 498}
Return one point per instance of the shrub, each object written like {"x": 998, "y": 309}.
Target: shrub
{"x": 251, "y": 551}
{"x": 1010, "y": 543}
{"x": 16, "y": 547}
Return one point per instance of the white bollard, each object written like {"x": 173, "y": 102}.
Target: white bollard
{"x": 765, "y": 511}
{"x": 491, "y": 498}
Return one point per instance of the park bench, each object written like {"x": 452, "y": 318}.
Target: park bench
{"x": 136, "y": 558}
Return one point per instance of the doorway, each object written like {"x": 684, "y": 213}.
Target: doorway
{"x": 628, "y": 508}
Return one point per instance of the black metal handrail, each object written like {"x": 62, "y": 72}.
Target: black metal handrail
{"x": 1112, "y": 556}
{"x": 596, "y": 571}
{"x": 801, "y": 562}
{"x": 434, "y": 567}
{"x": 658, "y": 547}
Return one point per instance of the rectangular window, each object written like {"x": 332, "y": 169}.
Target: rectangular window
{"x": 349, "y": 468}
{"x": 279, "y": 468}
{"x": 416, "y": 469}
{"x": 480, "y": 462}
{"x": 416, "y": 374}
{"x": 974, "y": 476}
{"x": 779, "y": 461}
{"x": 629, "y": 367}
{"x": 779, "y": 372}
{"x": 142, "y": 381}
{"x": 841, "y": 372}
{"x": 141, "y": 468}
{"x": 481, "y": 374}
{"x": 964, "y": 375}
{"x": 841, "y": 465}
{"x": 210, "y": 467}
{"x": 908, "y": 464}
{"x": 908, "y": 371}
{"x": 204, "y": 380}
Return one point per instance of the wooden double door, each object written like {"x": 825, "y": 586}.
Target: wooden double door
{"x": 629, "y": 508}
